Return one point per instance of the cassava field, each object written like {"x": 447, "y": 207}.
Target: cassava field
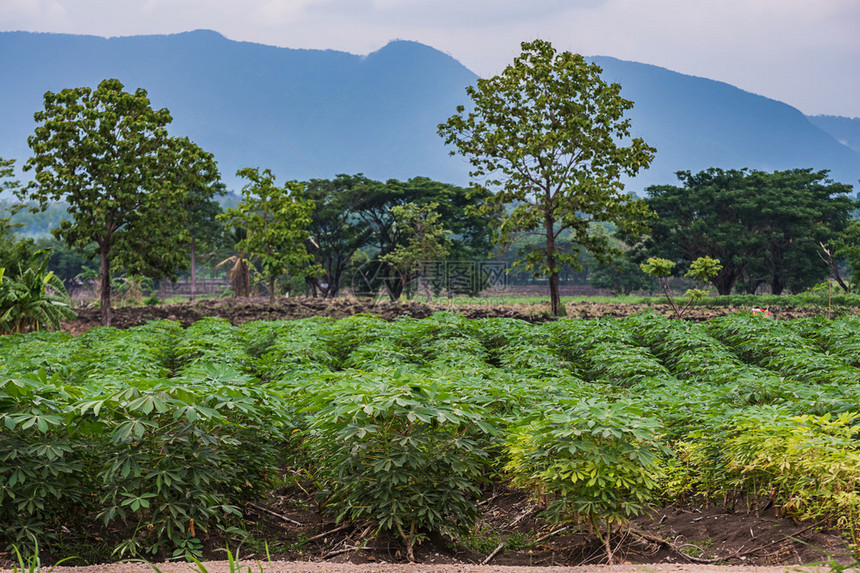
{"x": 445, "y": 439}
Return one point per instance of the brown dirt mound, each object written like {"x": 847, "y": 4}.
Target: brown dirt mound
{"x": 511, "y": 532}
{"x": 238, "y": 311}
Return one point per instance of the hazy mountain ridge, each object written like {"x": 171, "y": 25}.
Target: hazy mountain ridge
{"x": 257, "y": 105}
{"x": 696, "y": 123}
{"x": 846, "y": 130}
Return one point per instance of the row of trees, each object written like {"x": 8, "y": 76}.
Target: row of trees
{"x": 548, "y": 144}
{"x": 783, "y": 230}
{"x": 317, "y": 232}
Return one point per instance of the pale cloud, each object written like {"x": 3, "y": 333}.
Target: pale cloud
{"x": 282, "y": 12}
{"x": 474, "y": 13}
{"x": 25, "y": 12}
{"x": 806, "y": 53}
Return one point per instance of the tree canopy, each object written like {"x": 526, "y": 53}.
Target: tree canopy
{"x": 354, "y": 213}
{"x": 765, "y": 228}
{"x": 8, "y": 182}
{"x": 276, "y": 221}
{"x": 108, "y": 155}
{"x": 426, "y": 239}
{"x": 545, "y": 139}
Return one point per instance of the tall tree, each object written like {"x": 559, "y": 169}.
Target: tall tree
{"x": 369, "y": 204}
{"x": 426, "y": 239}
{"x": 107, "y": 153}
{"x": 765, "y": 228}
{"x": 276, "y": 221}
{"x": 800, "y": 209}
{"x": 336, "y": 233}
{"x": 544, "y": 138}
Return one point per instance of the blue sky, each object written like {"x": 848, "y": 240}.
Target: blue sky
{"x": 803, "y": 52}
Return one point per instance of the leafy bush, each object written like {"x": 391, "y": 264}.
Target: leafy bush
{"x": 400, "y": 453}
{"x": 42, "y": 465}
{"x": 166, "y": 431}
{"x": 161, "y": 460}
{"x": 178, "y": 464}
{"x": 596, "y": 460}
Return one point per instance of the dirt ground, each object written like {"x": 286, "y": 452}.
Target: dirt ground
{"x": 683, "y": 538}
{"x": 323, "y": 567}
{"x": 678, "y": 538}
{"x": 238, "y": 311}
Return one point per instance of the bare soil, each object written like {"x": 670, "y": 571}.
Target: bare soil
{"x": 325, "y": 567}
{"x": 677, "y": 538}
{"x": 691, "y": 537}
{"x": 240, "y": 310}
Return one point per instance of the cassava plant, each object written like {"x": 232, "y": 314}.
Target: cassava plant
{"x": 701, "y": 270}
{"x": 398, "y": 452}
{"x": 597, "y": 461}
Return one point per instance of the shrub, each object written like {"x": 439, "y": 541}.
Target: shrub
{"x": 400, "y": 453}
{"x": 597, "y": 461}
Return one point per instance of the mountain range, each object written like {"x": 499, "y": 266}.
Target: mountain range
{"x": 316, "y": 113}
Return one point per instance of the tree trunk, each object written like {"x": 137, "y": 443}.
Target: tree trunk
{"x": 725, "y": 281}
{"x": 556, "y": 307}
{"x": 333, "y": 279}
{"x": 272, "y": 288}
{"x": 104, "y": 285}
{"x": 833, "y": 269}
{"x": 554, "y": 297}
{"x": 752, "y": 287}
{"x": 312, "y": 285}
{"x": 777, "y": 285}
{"x": 193, "y": 270}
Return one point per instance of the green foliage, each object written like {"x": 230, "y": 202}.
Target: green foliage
{"x": 41, "y": 469}
{"x": 69, "y": 265}
{"x": 108, "y": 154}
{"x": 14, "y": 252}
{"x": 32, "y": 298}
{"x": 621, "y": 276}
{"x": 177, "y": 463}
{"x": 336, "y": 232}
{"x": 166, "y": 432}
{"x": 163, "y": 461}
{"x": 847, "y": 248}
{"x": 543, "y": 139}
{"x": 276, "y": 222}
{"x": 425, "y": 239}
{"x": 704, "y": 269}
{"x": 808, "y": 465}
{"x": 701, "y": 270}
{"x": 399, "y": 452}
{"x": 805, "y": 300}
{"x": 8, "y": 182}
{"x": 369, "y": 205}
{"x": 765, "y": 228}
{"x": 657, "y": 267}
{"x": 596, "y": 460}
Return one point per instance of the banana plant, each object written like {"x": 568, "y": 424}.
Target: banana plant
{"x": 33, "y": 299}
